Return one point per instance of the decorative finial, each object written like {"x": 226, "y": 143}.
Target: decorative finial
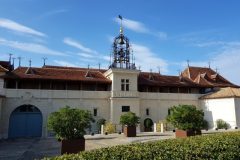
{"x": 188, "y": 62}
{"x": 159, "y": 69}
{"x": 121, "y": 28}
{"x": 19, "y": 61}
{"x": 99, "y": 66}
{"x": 30, "y": 63}
{"x": 44, "y": 60}
{"x": 209, "y": 64}
{"x": 10, "y": 57}
{"x": 13, "y": 59}
{"x": 216, "y": 70}
{"x": 88, "y": 66}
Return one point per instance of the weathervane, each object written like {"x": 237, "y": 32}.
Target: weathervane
{"x": 121, "y": 28}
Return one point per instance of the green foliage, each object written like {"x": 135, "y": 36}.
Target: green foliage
{"x": 70, "y": 123}
{"x": 109, "y": 128}
{"x": 221, "y": 124}
{"x": 129, "y": 119}
{"x": 216, "y": 146}
{"x": 100, "y": 122}
{"x": 186, "y": 117}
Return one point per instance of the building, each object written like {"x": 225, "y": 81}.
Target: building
{"x": 29, "y": 94}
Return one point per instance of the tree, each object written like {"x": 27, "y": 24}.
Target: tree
{"x": 70, "y": 123}
{"x": 129, "y": 119}
{"x": 186, "y": 117}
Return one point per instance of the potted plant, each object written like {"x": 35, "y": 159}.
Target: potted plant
{"x": 69, "y": 125}
{"x": 130, "y": 121}
{"x": 187, "y": 120}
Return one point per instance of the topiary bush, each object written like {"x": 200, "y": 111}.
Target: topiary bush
{"x": 221, "y": 124}
{"x": 215, "y": 146}
{"x": 186, "y": 117}
{"x": 70, "y": 123}
{"x": 129, "y": 119}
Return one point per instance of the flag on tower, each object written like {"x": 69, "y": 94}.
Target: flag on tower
{"x": 120, "y": 17}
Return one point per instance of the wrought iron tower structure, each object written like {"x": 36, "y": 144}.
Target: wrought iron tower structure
{"x": 121, "y": 52}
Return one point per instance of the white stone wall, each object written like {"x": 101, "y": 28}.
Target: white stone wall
{"x": 237, "y": 110}
{"x": 159, "y": 103}
{"x": 219, "y": 109}
{"x": 49, "y": 101}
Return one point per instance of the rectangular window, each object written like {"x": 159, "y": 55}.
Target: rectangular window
{"x": 127, "y": 87}
{"x": 95, "y": 112}
{"x": 147, "y": 112}
{"x": 124, "y": 84}
{"x": 169, "y": 111}
{"x": 125, "y": 108}
{"x": 122, "y": 87}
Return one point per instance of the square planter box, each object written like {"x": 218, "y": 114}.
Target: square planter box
{"x": 129, "y": 131}
{"x": 187, "y": 133}
{"x": 72, "y": 146}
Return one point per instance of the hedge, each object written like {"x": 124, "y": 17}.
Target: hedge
{"x": 216, "y": 146}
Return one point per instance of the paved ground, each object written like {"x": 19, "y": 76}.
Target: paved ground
{"x": 24, "y": 149}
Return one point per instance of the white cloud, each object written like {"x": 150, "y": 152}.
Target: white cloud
{"x": 132, "y": 25}
{"x": 64, "y": 63}
{"x": 14, "y": 26}
{"x": 137, "y": 26}
{"x": 86, "y": 55}
{"x": 30, "y": 47}
{"x": 53, "y": 12}
{"x": 226, "y": 60}
{"x": 161, "y": 35}
{"x": 78, "y": 45}
{"x": 148, "y": 59}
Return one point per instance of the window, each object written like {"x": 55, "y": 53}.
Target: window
{"x": 147, "y": 112}
{"x": 169, "y": 111}
{"x": 95, "y": 112}
{"x": 124, "y": 84}
{"x": 127, "y": 87}
{"x": 125, "y": 108}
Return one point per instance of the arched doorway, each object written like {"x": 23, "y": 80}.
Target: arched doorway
{"x": 148, "y": 125}
{"x": 25, "y": 121}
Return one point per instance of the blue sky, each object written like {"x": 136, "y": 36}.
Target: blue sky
{"x": 162, "y": 33}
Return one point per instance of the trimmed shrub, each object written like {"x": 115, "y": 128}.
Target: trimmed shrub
{"x": 215, "y": 146}
{"x": 70, "y": 123}
{"x": 129, "y": 119}
{"x": 221, "y": 124}
{"x": 186, "y": 117}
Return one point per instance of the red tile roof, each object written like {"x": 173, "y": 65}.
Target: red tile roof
{"x": 206, "y": 77}
{"x": 5, "y": 64}
{"x": 156, "y": 79}
{"x": 58, "y": 73}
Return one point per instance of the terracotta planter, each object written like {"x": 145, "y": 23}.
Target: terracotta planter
{"x": 129, "y": 131}
{"x": 183, "y": 134}
{"x": 72, "y": 146}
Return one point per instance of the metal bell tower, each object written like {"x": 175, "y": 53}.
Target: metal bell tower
{"x": 121, "y": 51}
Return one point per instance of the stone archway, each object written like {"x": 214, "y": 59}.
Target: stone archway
{"x": 25, "y": 121}
{"x": 148, "y": 125}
